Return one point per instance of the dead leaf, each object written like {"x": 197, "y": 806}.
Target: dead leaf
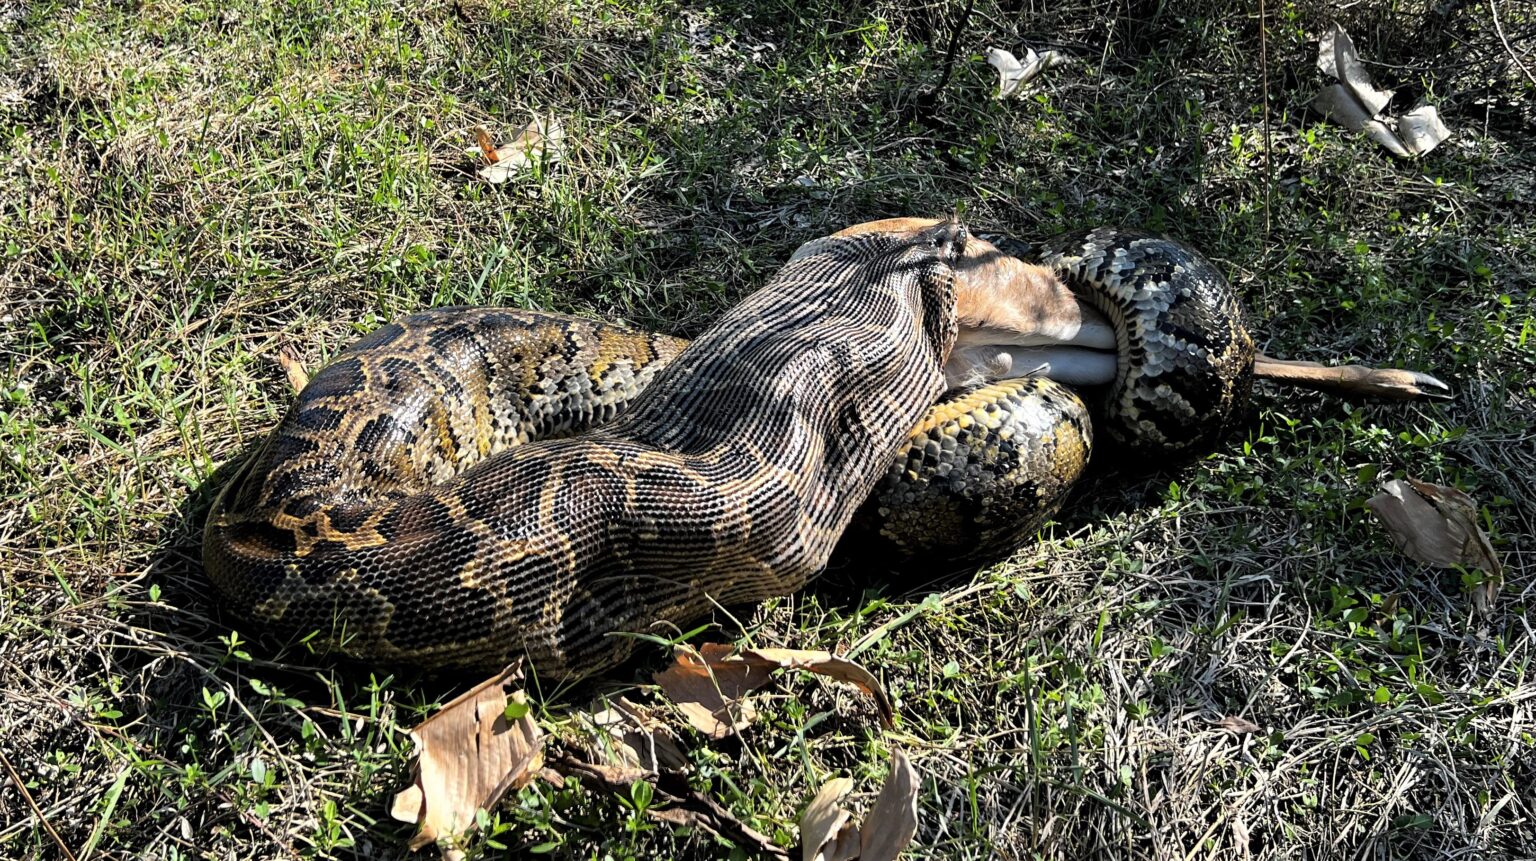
{"x": 468, "y": 756}
{"x": 1338, "y": 104}
{"x": 538, "y": 141}
{"x": 710, "y": 685}
{"x": 1421, "y": 129}
{"x": 1240, "y": 834}
{"x": 1238, "y": 725}
{"x": 1014, "y": 77}
{"x": 710, "y": 692}
{"x": 825, "y": 664}
{"x": 845, "y": 847}
{"x": 892, "y": 821}
{"x": 293, "y": 369}
{"x": 827, "y": 829}
{"x": 630, "y": 736}
{"x": 824, "y": 820}
{"x": 1337, "y": 58}
{"x": 1356, "y": 104}
{"x": 676, "y": 803}
{"x": 1438, "y": 525}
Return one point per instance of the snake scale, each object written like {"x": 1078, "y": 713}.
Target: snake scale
{"x": 470, "y": 485}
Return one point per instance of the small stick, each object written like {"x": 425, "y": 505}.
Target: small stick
{"x": 47, "y": 826}
{"x": 949, "y": 54}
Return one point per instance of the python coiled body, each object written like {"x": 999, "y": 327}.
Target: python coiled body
{"x": 1186, "y": 357}
{"x": 467, "y": 486}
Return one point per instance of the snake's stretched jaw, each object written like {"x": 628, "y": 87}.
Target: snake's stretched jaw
{"x": 973, "y": 364}
{"x": 1394, "y": 384}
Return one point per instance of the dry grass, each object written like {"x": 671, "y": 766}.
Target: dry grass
{"x": 187, "y": 188}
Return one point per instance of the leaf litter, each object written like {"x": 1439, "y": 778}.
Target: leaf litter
{"x": 486, "y": 743}
{"x": 710, "y": 685}
{"x": 1438, "y": 525}
{"x": 539, "y": 141}
{"x": 1357, "y": 105}
{"x": 827, "y": 829}
{"x": 469, "y": 754}
{"x": 1016, "y": 78}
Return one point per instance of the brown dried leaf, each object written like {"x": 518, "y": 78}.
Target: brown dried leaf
{"x": 845, "y": 847}
{"x": 892, "y": 821}
{"x": 1435, "y": 524}
{"x": 824, "y": 819}
{"x": 1438, "y": 525}
{"x": 710, "y": 685}
{"x": 293, "y": 369}
{"x": 825, "y": 664}
{"x": 709, "y": 691}
{"x": 1238, "y": 725}
{"x": 468, "y": 756}
{"x": 537, "y": 140}
{"x": 630, "y": 736}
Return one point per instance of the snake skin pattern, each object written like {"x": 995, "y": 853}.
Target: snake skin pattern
{"x": 470, "y": 485}
{"x": 978, "y": 475}
{"x": 1186, "y": 357}
{"x": 729, "y": 479}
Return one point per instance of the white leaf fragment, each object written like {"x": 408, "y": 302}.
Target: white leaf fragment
{"x": 1346, "y": 66}
{"x": 1422, "y": 129}
{"x": 1357, "y": 105}
{"x": 540, "y": 140}
{"x": 1014, "y": 77}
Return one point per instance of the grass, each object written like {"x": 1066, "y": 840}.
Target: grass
{"x": 188, "y": 188}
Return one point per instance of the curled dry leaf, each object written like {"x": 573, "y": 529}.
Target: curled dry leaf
{"x": 1238, "y": 725}
{"x": 539, "y": 140}
{"x": 626, "y": 735}
{"x": 1437, "y": 525}
{"x": 1014, "y": 77}
{"x": 1339, "y": 105}
{"x": 892, "y": 821}
{"x": 293, "y": 369}
{"x": 1338, "y": 58}
{"x": 1356, "y": 104}
{"x": 825, "y": 821}
{"x": 710, "y": 685}
{"x": 827, "y": 830}
{"x": 824, "y": 664}
{"x": 710, "y": 692}
{"x": 469, "y": 755}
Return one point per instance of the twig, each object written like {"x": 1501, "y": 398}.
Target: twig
{"x": 37, "y": 811}
{"x": 949, "y": 53}
{"x": 1269, "y": 166}
{"x": 1493, "y": 9}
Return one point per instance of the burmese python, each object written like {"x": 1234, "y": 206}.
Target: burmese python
{"x": 469, "y": 485}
